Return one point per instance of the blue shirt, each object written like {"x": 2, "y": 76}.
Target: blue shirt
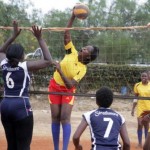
{"x": 105, "y": 125}
{"x": 16, "y": 80}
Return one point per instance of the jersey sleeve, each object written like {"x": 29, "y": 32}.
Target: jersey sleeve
{"x": 4, "y": 61}
{"x": 70, "y": 48}
{"x": 122, "y": 119}
{"x": 87, "y": 115}
{"x": 135, "y": 88}
{"x": 24, "y": 65}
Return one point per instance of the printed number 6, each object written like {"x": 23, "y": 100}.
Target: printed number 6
{"x": 109, "y": 126}
{"x": 9, "y": 81}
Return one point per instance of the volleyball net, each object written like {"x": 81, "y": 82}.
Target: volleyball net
{"x": 124, "y": 54}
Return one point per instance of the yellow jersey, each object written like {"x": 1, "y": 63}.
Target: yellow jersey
{"x": 70, "y": 66}
{"x": 142, "y": 91}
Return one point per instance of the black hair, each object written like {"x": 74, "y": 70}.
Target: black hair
{"x": 144, "y": 71}
{"x": 14, "y": 54}
{"x": 104, "y": 97}
{"x": 94, "y": 55}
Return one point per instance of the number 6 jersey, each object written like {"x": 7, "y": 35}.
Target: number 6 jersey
{"x": 16, "y": 80}
{"x": 105, "y": 125}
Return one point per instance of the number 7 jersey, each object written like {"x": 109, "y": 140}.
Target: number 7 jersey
{"x": 16, "y": 80}
{"x": 105, "y": 125}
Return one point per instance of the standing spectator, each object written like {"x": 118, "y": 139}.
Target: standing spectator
{"x": 16, "y": 111}
{"x": 106, "y": 125}
{"x": 141, "y": 89}
{"x": 68, "y": 74}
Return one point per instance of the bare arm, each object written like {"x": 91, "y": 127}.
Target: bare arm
{"x": 36, "y": 65}
{"x": 37, "y": 32}
{"x": 16, "y": 32}
{"x": 68, "y": 82}
{"x": 133, "y": 106}
{"x": 67, "y": 35}
{"x": 125, "y": 137}
{"x": 76, "y": 137}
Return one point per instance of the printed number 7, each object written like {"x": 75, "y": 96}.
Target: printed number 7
{"x": 109, "y": 126}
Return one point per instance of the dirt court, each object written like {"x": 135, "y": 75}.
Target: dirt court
{"x": 42, "y": 129}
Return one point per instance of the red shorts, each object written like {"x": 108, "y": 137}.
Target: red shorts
{"x": 60, "y": 99}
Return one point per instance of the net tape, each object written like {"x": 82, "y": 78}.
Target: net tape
{"x": 80, "y": 28}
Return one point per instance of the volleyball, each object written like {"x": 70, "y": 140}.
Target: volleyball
{"x": 81, "y": 11}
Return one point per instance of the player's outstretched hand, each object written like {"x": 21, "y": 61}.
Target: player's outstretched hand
{"x": 37, "y": 31}
{"x": 16, "y": 29}
{"x": 79, "y": 147}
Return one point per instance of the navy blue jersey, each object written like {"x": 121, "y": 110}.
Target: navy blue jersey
{"x": 105, "y": 125}
{"x": 16, "y": 80}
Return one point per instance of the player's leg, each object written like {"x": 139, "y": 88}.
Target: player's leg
{"x": 24, "y": 130}
{"x": 139, "y": 132}
{"x": 55, "y": 126}
{"x": 66, "y": 110}
{"x": 55, "y": 107}
{"x": 10, "y": 135}
{"x": 66, "y": 126}
{"x": 8, "y": 124}
{"x": 146, "y": 127}
{"x": 147, "y": 143}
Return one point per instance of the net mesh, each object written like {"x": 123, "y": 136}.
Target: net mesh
{"x": 124, "y": 54}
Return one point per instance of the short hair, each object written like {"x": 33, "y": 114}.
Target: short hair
{"x": 104, "y": 97}
{"x": 94, "y": 55}
{"x": 14, "y": 54}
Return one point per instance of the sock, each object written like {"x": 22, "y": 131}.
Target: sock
{"x": 146, "y": 132}
{"x": 55, "y": 133}
{"x": 66, "y": 135}
{"x": 139, "y": 133}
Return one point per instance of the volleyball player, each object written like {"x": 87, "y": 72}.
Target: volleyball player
{"x": 142, "y": 89}
{"x": 105, "y": 124}
{"x": 16, "y": 111}
{"x": 68, "y": 74}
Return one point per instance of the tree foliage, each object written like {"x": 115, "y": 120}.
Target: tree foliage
{"x": 116, "y": 46}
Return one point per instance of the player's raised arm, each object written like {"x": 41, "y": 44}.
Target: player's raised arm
{"x": 16, "y": 32}
{"x": 67, "y": 35}
{"x": 42, "y": 63}
{"x": 37, "y": 32}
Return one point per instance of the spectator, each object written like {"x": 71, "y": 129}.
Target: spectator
{"x": 141, "y": 89}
